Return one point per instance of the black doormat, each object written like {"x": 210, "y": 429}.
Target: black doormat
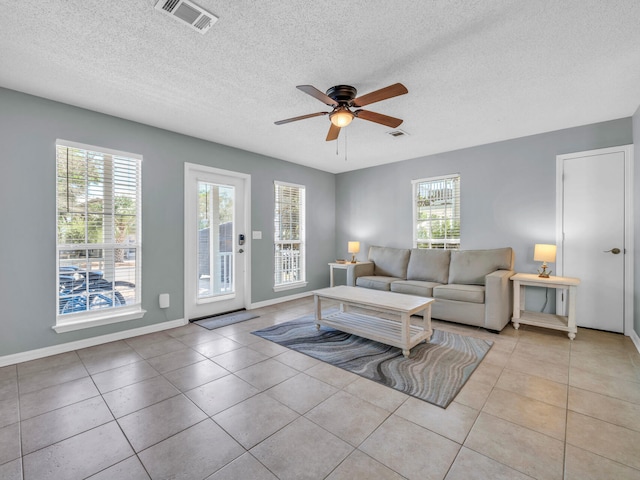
{"x": 218, "y": 321}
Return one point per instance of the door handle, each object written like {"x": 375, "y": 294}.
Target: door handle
{"x": 615, "y": 251}
{"x": 241, "y": 251}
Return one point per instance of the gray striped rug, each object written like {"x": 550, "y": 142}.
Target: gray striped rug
{"x": 435, "y": 371}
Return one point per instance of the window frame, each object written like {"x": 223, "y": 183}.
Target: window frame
{"x": 113, "y": 314}
{"x": 301, "y": 281}
{"x": 448, "y": 243}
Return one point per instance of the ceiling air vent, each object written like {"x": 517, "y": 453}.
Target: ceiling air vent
{"x": 189, "y": 13}
{"x": 398, "y": 133}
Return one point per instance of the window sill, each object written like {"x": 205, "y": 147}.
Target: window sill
{"x": 89, "y": 321}
{"x": 289, "y": 286}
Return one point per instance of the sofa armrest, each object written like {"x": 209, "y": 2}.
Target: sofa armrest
{"x": 498, "y": 299}
{"x": 360, "y": 269}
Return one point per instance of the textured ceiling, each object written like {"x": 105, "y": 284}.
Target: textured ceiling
{"x": 477, "y": 71}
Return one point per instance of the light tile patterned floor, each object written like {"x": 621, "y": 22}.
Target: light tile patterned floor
{"x": 196, "y": 404}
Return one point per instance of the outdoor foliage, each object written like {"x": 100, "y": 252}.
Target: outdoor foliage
{"x": 93, "y": 208}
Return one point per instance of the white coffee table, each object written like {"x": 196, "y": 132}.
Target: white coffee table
{"x": 399, "y": 334}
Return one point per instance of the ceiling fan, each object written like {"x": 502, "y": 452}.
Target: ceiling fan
{"x": 343, "y": 99}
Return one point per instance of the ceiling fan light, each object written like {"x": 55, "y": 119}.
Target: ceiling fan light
{"x": 341, "y": 118}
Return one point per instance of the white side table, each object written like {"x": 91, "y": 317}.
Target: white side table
{"x": 340, "y": 266}
{"x": 557, "y": 322}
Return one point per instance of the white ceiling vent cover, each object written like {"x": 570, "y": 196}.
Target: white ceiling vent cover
{"x": 189, "y": 13}
{"x": 397, "y": 133}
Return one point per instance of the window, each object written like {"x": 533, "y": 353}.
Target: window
{"x": 289, "y": 240}
{"x": 98, "y": 236}
{"x": 436, "y": 210}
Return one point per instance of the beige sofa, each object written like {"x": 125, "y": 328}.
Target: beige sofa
{"x": 469, "y": 286}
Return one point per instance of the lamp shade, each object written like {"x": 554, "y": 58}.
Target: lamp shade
{"x": 544, "y": 253}
{"x": 353, "y": 247}
{"x": 341, "y": 117}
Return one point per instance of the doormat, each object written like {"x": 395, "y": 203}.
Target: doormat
{"x": 434, "y": 372}
{"x": 218, "y": 321}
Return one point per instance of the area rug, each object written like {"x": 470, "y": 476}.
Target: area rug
{"x": 226, "y": 319}
{"x": 435, "y": 371}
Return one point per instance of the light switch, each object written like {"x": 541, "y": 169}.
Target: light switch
{"x": 256, "y": 235}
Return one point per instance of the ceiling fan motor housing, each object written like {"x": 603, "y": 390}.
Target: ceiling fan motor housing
{"x": 342, "y": 94}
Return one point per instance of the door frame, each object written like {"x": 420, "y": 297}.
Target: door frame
{"x": 627, "y": 150}
{"x": 246, "y": 275}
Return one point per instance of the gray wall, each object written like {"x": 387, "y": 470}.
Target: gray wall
{"x": 29, "y": 127}
{"x": 508, "y": 193}
{"x": 508, "y": 198}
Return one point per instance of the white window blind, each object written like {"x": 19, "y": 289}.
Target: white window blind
{"x": 436, "y": 208}
{"x": 98, "y": 232}
{"x": 289, "y": 235}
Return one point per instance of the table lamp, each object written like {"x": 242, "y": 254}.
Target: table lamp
{"x": 544, "y": 253}
{"x": 353, "y": 248}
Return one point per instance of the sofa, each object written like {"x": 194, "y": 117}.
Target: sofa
{"x": 469, "y": 286}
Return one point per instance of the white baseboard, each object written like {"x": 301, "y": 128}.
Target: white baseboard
{"x": 275, "y": 301}
{"x": 635, "y": 339}
{"x": 112, "y": 337}
{"x": 88, "y": 342}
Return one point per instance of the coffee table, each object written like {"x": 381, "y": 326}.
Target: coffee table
{"x": 396, "y": 333}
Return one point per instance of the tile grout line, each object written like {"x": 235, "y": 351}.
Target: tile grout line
{"x": 566, "y": 415}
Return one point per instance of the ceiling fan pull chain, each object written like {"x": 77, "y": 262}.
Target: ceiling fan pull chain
{"x": 345, "y": 146}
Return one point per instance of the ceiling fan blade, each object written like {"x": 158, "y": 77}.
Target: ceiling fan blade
{"x": 333, "y": 133}
{"x": 378, "y": 118}
{"x": 314, "y": 92}
{"x": 301, "y": 117}
{"x": 379, "y": 95}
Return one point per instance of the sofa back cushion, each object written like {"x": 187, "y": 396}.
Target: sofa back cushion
{"x": 429, "y": 265}
{"x": 390, "y": 262}
{"x": 469, "y": 267}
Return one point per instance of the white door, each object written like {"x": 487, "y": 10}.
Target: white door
{"x": 594, "y": 234}
{"x": 216, "y": 245}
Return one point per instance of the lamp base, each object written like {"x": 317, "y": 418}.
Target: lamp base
{"x": 353, "y": 259}
{"x": 543, "y": 272}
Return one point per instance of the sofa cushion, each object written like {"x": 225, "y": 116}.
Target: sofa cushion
{"x": 414, "y": 287}
{"x": 429, "y": 265}
{"x": 376, "y": 282}
{"x": 390, "y": 262}
{"x": 469, "y": 267}
{"x": 460, "y": 293}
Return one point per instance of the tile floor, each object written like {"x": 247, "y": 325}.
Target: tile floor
{"x": 196, "y": 404}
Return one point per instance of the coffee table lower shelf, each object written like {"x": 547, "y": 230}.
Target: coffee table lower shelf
{"x": 378, "y": 329}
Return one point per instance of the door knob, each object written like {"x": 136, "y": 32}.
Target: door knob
{"x": 615, "y": 251}
{"x": 241, "y": 251}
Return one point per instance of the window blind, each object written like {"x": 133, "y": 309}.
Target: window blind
{"x": 437, "y": 212}
{"x": 289, "y": 234}
{"x": 98, "y": 230}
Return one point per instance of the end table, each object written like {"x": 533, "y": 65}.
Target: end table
{"x": 557, "y": 322}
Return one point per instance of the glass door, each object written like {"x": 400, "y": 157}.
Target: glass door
{"x": 215, "y": 249}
